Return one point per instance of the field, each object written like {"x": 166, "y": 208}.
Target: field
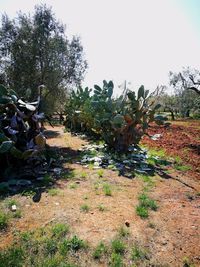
{"x": 88, "y": 216}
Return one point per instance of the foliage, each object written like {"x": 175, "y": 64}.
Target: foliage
{"x": 35, "y": 50}
{"x": 120, "y": 121}
{"x": 20, "y": 132}
{"x": 3, "y": 221}
{"x": 186, "y": 96}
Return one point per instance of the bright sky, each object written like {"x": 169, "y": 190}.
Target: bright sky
{"x": 134, "y": 40}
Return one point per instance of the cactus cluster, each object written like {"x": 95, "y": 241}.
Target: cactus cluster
{"x": 20, "y": 132}
{"x": 120, "y": 121}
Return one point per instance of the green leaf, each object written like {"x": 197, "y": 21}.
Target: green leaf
{"x": 110, "y": 92}
{"x": 3, "y": 137}
{"x": 131, "y": 95}
{"x": 3, "y": 90}
{"x": 98, "y": 88}
{"x": 6, "y": 146}
{"x": 146, "y": 93}
{"x": 141, "y": 91}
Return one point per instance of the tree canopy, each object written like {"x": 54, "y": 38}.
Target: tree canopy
{"x": 35, "y": 50}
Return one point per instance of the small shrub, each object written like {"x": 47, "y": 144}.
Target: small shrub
{"x": 47, "y": 179}
{"x": 182, "y": 168}
{"x": 101, "y": 208}
{"x": 100, "y": 250}
{"x": 10, "y": 202}
{"x": 3, "y": 221}
{"x": 53, "y": 192}
{"x": 146, "y": 202}
{"x": 116, "y": 260}
{"x": 142, "y": 211}
{"x": 75, "y": 243}
{"x": 60, "y": 230}
{"x": 68, "y": 176}
{"x": 12, "y": 257}
{"x": 118, "y": 246}
{"x": 100, "y": 173}
{"x": 123, "y": 232}
{"x": 83, "y": 175}
{"x": 85, "y": 208}
{"x": 73, "y": 186}
{"x": 137, "y": 253}
{"x": 17, "y": 214}
{"x": 107, "y": 190}
{"x": 50, "y": 247}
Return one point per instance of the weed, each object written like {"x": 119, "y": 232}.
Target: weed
{"x": 182, "y": 168}
{"x": 123, "y": 232}
{"x": 60, "y": 230}
{"x": 142, "y": 212}
{"x": 68, "y": 176}
{"x": 28, "y": 193}
{"x": 83, "y": 175}
{"x": 146, "y": 202}
{"x": 137, "y": 253}
{"x": 73, "y": 186}
{"x": 17, "y": 214}
{"x": 100, "y": 173}
{"x": 50, "y": 247}
{"x": 53, "y": 192}
{"x": 47, "y": 179}
{"x": 151, "y": 225}
{"x": 116, "y": 260}
{"x": 3, "y": 221}
{"x": 85, "y": 197}
{"x": 75, "y": 243}
{"x": 101, "y": 207}
{"x": 12, "y": 257}
{"x": 107, "y": 190}
{"x": 85, "y": 208}
{"x": 187, "y": 262}
{"x": 100, "y": 250}
{"x": 118, "y": 246}
{"x": 10, "y": 202}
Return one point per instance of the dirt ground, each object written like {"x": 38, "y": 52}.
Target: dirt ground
{"x": 169, "y": 234}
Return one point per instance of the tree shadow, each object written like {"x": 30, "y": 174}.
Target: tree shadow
{"x": 40, "y": 174}
{"x": 51, "y": 134}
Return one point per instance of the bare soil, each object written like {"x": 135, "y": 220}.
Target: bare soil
{"x": 169, "y": 234}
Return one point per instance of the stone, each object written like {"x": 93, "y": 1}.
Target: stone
{"x": 13, "y": 207}
{"x": 127, "y": 223}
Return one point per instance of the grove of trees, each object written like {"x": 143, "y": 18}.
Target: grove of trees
{"x": 35, "y": 50}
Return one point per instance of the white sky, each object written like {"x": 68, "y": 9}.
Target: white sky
{"x": 134, "y": 40}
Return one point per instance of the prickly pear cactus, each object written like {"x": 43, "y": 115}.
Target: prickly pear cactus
{"x": 119, "y": 122}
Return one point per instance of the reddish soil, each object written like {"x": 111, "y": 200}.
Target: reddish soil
{"x": 180, "y": 139}
{"x": 169, "y": 234}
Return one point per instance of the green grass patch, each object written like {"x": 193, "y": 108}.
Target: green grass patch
{"x": 101, "y": 207}
{"x": 73, "y": 186}
{"x": 116, "y": 260}
{"x": 182, "y": 168}
{"x": 138, "y": 254}
{"x": 85, "y": 208}
{"x": 99, "y": 251}
{"x": 53, "y": 192}
{"x": 100, "y": 173}
{"x": 4, "y": 219}
{"x": 107, "y": 189}
{"x": 142, "y": 212}
{"x": 60, "y": 230}
{"x": 118, "y": 246}
{"x": 123, "y": 231}
{"x": 68, "y": 175}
